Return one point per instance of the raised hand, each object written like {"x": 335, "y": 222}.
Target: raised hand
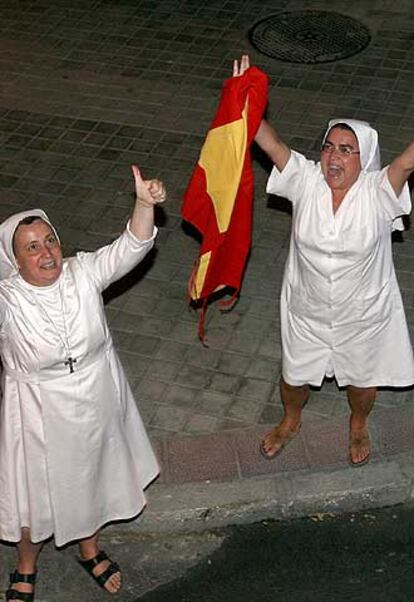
{"x": 148, "y": 192}
{"x": 240, "y": 68}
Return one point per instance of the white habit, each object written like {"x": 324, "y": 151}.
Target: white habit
{"x": 341, "y": 308}
{"x": 74, "y": 453}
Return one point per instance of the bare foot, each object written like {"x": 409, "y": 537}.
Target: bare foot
{"x": 359, "y": 446}
{"x": 277, "y": 439}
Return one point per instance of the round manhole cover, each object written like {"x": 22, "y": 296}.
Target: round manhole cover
{"x": 309, "y": 36}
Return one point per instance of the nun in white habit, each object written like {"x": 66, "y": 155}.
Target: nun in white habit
{"x": 74, "y": 454}
{"x": 341, "y": 308}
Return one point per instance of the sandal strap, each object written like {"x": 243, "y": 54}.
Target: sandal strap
{"x": 90, "y": 564}
{"x": 17, "y": 577}
{"x": 12, "y": 594}
{"x": 103, "y": 577}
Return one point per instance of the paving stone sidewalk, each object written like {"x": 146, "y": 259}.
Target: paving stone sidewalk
{"x": 87, "y": 89}
{"x": 90, "y": 88}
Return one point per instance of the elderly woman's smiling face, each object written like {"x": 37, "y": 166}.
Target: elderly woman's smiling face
{"x": 341, "y": 170}
{"x": 38, "y": 253}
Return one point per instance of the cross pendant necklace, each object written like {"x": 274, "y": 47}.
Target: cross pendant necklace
{"x": 70, "y": 361}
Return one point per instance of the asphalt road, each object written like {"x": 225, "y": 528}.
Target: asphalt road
{"x": 355, "y": 557}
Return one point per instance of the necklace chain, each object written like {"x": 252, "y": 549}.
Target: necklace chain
{"x": 63, "y": 339}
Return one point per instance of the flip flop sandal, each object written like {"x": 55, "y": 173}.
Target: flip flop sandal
{"x": 16, "y": 577}
{"x": 359, "y": 441}
{"x": 284, "y": 442}
{"x": 90, "y": 564}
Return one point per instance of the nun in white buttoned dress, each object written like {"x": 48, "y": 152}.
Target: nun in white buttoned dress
{"x": 341, "y": 307}
{"x": 74, "y": 454}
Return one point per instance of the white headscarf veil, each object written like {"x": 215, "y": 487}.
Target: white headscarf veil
{"x": 8, "y": 265}
{"x": 367, "y": 140}
{"x": 369, "y": 150}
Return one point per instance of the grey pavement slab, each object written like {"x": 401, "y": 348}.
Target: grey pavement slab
{"x": 145, "y": 559}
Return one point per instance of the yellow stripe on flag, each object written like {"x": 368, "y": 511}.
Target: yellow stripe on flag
{"x": 223, "y": 170}
{"x": 200, "y": 275}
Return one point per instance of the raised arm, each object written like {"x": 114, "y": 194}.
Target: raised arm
{"x": 401, "y": 168}
{"x": 113, "y": 261}
{"x": 274, "y": 147}
{"x": 148, "y": 194}
{"x": 266, "y": 137}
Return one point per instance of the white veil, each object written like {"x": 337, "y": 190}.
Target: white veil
{"x": 8, "y": 265}
{"x": 369, "y": 149}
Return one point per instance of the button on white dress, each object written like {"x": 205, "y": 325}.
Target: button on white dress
{"x": 341, "y": 308}
{"x": 74, "y": 453}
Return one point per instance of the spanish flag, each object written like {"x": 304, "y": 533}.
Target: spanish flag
{"x": 218, "y": 199}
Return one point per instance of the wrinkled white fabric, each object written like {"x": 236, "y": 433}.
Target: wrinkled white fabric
{"x": 74, "y": 453}
{"x": 341, "y": 308}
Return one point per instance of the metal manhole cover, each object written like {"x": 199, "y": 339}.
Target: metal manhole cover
{"x": 309, "y": 36}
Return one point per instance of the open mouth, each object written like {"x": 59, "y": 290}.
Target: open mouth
{"x": 334, "y": 170}
{"x": 50, "y": 265}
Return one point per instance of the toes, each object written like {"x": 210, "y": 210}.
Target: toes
{"x": 266, "y": 444}
{"x": 272, "y": 443}
{"x": 279, "y": 437}
{"x": 271, "y": 446}
{"x": 360, "y": 447}
{"x": 361, "y": 454}
{"x": 114, "y": 583}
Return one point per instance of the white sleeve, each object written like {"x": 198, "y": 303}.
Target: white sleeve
{"x": 3, "y": 311}
{"x": 290, "y": 182}
{"x": 393, "y": 205}
{"x": 110, "y": 263}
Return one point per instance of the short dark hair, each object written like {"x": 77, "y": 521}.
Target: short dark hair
{"x": 341, "y": 126}
{"x": 26, "y": 221}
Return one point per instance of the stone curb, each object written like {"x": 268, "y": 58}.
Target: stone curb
{"x": 208, "y": 505}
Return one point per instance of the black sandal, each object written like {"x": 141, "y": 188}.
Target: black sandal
{"x": 90, "y": 564}
{"x": 16, "y": 577}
